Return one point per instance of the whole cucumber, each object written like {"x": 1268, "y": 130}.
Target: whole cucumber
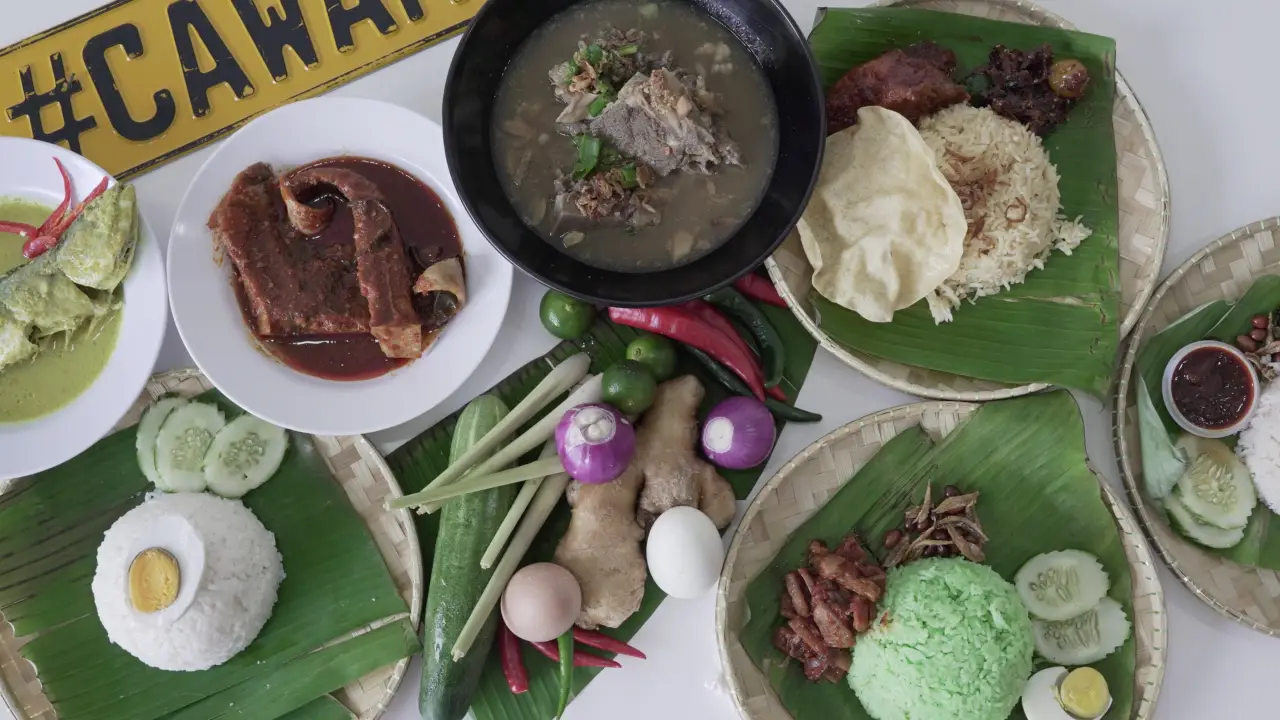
{"x": 467, "y": 524}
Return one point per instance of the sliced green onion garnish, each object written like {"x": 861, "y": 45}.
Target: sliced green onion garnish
{"x": 629, "y": 176}
{"x": 588, "y": 155}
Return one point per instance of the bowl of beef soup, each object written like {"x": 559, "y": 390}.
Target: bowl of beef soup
{"x": 632, "y": 152}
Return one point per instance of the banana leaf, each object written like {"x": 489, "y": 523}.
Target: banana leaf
{"x": 1060, "y": 326}
{"x": 424, "y": 457}
{"x": 324, "y": 707}
{"x": 1027, "y": 459}
{"x": 1223, "y": 321}
{"x": 336, "y": 582}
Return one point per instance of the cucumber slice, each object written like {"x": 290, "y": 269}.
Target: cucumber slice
{"x": 245, "y": 454}
{"x": 1084, "y": 639}
{"x": 1216, "y": 486}
{"x": 148, "y": 429}
{"x": 1185, "y": 522}
{"x": 1061, "y": 585}
{"x": 181, "y": 445}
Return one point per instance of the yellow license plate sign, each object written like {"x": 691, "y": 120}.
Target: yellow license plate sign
{"x": 138, "y": 82}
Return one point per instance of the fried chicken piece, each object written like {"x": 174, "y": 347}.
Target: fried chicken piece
{"x": 830, "y": 622}
{"x": 795, "y": 593}
{"x": 915, "y": 82}
{"x": 838, "y": 662}
{"x": 816, "y": 666}
{"x": 861, "y": 610}
{"x": 786, "y": 640}
{"x": 808, "y": 634}
{"x": 844, "y": 573}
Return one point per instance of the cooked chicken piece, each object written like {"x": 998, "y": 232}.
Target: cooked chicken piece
{"x": 831, "y": 623}
{"x": 809, "y": 634}
{"x": 839, "y": 570}
{"x": 795, "y": 591}
{"x": 915, "y": 82}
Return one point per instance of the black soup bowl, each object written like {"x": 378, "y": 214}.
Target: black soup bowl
{"x": 779, "y": 47}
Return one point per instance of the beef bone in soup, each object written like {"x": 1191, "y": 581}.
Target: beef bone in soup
{"x": 345, "y": 268}
{"x": 634, "y": 136}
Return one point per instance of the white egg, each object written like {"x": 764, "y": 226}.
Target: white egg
{"x": 1039, "y": 698}
{"x": 541, "y": 602}
{"x": 684, "y": 552}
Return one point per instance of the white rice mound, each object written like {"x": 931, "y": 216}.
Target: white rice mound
{"x": 230, "y": 571}
{"x": 1259, "y": 446}
{"x": 1009, "y": 191}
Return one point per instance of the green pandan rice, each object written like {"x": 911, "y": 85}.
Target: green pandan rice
{"x": 952, "y": 640}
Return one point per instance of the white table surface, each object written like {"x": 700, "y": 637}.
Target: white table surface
{"x": 1205, "y": 73}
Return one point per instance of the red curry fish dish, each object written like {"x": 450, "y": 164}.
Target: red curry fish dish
{"x": 345, "y": 268}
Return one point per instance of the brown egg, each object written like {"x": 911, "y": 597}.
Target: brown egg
{"x": 541, "y": 602}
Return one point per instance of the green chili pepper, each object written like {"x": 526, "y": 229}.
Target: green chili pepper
{"x": 626, "y": 50}
{"x": 629, "y": 179}
{"x": 566, "y": 670}
{"x": 597, "y": 106}
{"x": 734, "y": 384}
{"x": 588, "y": 155}
{"x": 595, "y": 53}
{"x": 570, "y": 71}
{"x": 766, "y": 336}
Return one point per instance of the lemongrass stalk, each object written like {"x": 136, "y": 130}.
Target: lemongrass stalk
{"x": 590, "y": 391}
{"x": 476, "y": 483}
{"x": 561, "y": 378}
{"x": 516, "y": 512}
{"x": 544, "y": 501}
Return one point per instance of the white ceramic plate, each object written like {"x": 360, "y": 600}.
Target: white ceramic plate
{"x": 209, "y": 319}
{"x": 27, "y": 171}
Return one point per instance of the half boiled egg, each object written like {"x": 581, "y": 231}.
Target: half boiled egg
{"x": 1058, "y": 694}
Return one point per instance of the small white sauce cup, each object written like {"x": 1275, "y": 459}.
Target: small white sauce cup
{"x": 1166, "y": 390}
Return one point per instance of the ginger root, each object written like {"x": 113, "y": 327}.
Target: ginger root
{"x": 602, "y": 545}
{"x": 673, "y": 473}
{"x": 602, "y": 548}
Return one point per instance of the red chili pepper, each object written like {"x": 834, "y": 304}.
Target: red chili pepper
{"x": 604, "y": 642}
{"x": 776, "y": 393}
{"x": 580, "y": 658}
{"x": 759, "y": 288}
{"x": 47, "y": 235}
{"x": 58, "y": 212}
{"x": 680, "y": 325}
{"x": 17, "y": 228}
{"x": 512, "y": 665}
{"x": 38, "y": 245}
{"x": 707, "y": 313}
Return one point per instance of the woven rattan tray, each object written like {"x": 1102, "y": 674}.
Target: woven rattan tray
{"x": 1221, "y": 271}
{"x": 363, "y": 474}
{"x": 809, "y": 479}
{"x": 1143, "y": 230}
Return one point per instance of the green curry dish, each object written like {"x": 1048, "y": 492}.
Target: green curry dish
{"x": 38, "y": 295}
{"x": 15, "y": 341}
{"x": 97, "y": 250}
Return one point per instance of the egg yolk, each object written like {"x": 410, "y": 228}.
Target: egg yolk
{"x": 1084, "y": 693}
{"x": 154, "y": 579}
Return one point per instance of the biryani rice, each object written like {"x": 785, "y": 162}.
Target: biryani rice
{"x": 1009, "y": 191}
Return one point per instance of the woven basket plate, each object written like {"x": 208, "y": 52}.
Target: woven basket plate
{"x": 808, "y": 480}
{"x": 362, "y": 472}
{"x": 1223, "y": 270}
{"x": 1143, "y": 230}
